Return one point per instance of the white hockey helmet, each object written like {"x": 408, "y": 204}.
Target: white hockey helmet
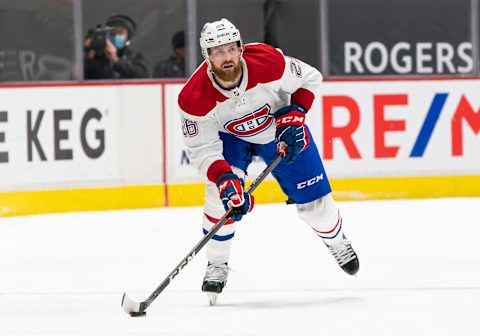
{"x": 218, "y": 33}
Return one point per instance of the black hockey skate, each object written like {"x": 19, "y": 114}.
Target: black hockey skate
{"x": 345, "y": 256}
{"x": 214, "y": 281}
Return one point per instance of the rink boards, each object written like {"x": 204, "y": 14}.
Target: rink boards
{"x": 103, "y": 145}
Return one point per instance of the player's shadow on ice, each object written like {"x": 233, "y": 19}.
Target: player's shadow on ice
{"x": 285, "y": 303}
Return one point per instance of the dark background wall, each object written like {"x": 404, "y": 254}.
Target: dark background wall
{"x": 36, "y": 40}
{"x": 294, "y": 27}
{"x": 362, "y": 37}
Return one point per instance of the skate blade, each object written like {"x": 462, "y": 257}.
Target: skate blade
{"x": 212, "y": 297}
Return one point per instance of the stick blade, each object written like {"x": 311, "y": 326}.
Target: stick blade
{"x": 131, "y": 307}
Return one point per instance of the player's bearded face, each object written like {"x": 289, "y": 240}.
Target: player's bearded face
{"x": 225, "y": 62}
{"x": 228, "y": 71}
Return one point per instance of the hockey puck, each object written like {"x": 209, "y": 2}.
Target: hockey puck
{"x": 136, "y": 314}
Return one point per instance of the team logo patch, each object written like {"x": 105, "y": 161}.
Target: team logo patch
{"x": 250, "y": 124}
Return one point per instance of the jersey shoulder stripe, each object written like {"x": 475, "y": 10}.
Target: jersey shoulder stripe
{"x": 199, "y": 96}
{"x": 265, "y": 64}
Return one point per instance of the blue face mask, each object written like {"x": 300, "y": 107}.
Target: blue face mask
{"x": 119, "y": 41}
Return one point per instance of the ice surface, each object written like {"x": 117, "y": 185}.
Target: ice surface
{"x": 420, "y": 273}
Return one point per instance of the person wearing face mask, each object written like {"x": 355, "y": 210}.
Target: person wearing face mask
{"x": 113, "y": 59}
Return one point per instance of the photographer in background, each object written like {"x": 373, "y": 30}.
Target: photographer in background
{"x": 107, "y": 55}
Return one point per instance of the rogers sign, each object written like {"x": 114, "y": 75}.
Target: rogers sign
{"x": 408, "y": 58}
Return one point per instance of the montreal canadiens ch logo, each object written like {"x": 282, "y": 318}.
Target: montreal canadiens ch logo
{"x": 252, "y": 123}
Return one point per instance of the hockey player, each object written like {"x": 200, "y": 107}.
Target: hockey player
{"x": 247, "y": 100}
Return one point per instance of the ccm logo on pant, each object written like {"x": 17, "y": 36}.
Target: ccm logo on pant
{"x": 310, "y": 182}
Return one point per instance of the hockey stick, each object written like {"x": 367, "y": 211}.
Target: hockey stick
{"x": 138, "y": 308}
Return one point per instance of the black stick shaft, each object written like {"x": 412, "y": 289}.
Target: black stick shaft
{"x": 207, "y": 237}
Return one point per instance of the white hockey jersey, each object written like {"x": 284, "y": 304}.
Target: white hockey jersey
{"x": 270, "y": 81}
